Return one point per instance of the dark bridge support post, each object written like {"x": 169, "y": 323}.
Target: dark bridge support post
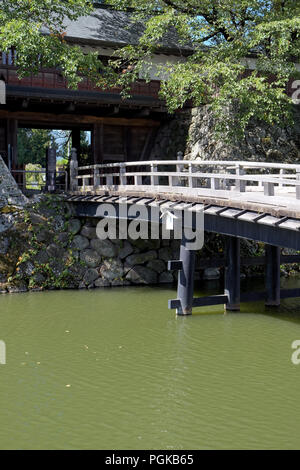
{"x": 232, "y": 273}
{"x": 272, "y": 275}
{"x": 185, "y": 289}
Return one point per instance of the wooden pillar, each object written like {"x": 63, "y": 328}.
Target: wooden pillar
{"x": 76, "y": 141}
{"x": 73, "y": 170}
{"x": 51, "y": 169}
{"x": 185, "y": 289}
{"x": 272, "y": 271}
{"x": 12, "y": 141}
{"x": 97, "y": 143}
{"x": 232, "y": 273}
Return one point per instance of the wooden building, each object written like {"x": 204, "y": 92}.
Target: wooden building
{"x": 121, "y": 130}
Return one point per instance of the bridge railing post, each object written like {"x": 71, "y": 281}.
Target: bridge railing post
{"x": 240, "y": 185}
{"x": 96, "y": 177}
{"x": 281, "y": 172}
{"x": 123, "y": 178}
{"x": 73, "y": 170}
{"x": 268, "y": 189}
{"x": 298, "y": 180}
{"x": 109, "y": 180}
{"x": 190, "y": 177}
{"x": 138, "y": 180}
{"x": 176, "y": 180}
{"x": 215, "y": 183}
{"x": 154, "y": 179}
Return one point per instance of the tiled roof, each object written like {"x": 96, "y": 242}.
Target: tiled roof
{"x": 115, "y": 28}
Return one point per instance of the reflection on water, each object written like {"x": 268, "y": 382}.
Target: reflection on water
{"x": 114, "y": 368}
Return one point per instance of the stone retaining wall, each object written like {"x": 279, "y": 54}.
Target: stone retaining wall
{"x": 192, "y": 132}
{"x": 44, "y": 247}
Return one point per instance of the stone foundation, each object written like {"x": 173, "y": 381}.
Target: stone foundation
{"x": 43, "y": 246}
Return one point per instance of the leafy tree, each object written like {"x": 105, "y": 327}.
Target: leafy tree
{"x": 64, "y": 141}
{"x": 34, "y": 180}
{"x": 85, "y": 148}
{"x": 32, "y": 144}
{"x": 21, "y": 25}
{"x": 221, "y": 34}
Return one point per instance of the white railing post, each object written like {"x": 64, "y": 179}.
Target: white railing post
{"x": 138, "y": 180}
{"x": 215, "y": 183}
{"x": 240, "y": 185}
{"x": 96, "y": 177}
{"x": 190, "y": 178}
{"x": 176, "y": 180}
{"x": 268, "y": 188}
{"x": 73, "y": 170}
{"x": 281, "y": 172}
{"x": 298, "y": 181}
{"x": 109, "y": 180}
{"x": 123, "y": 178}
{"x": 154, "y": 179}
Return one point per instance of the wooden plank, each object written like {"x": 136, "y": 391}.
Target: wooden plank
{"x": 281, "y": 210}
{"x": 231, "y": 213}
{"x": 258, "y": 217}
{"x": 212, "y": 210}
{"x": 291, "y": 224}
{"x": 268, "y": 220}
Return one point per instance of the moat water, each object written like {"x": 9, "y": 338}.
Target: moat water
{"x": 115, "y": 369}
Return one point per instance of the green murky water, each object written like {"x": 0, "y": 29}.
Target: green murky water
{"x": 114, "y": 368}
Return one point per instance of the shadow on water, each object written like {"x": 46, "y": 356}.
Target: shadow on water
{"x": 289, "y": 310}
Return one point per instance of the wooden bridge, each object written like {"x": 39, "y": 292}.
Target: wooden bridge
{"x": 256, "y": 201}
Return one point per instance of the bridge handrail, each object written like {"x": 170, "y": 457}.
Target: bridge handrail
{"x": 223, "y": 176}
{"x": 228, "y": 164}
{"x": 215, "y": 175}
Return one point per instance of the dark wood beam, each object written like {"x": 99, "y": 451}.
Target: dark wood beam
{"x": 75, "y": 119}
